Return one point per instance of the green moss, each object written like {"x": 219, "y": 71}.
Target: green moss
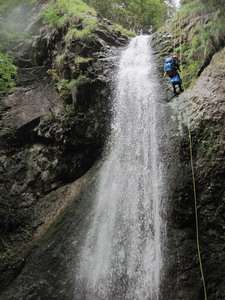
{"x": 81, "y": 17}
{"x": 62, "y": 88}
{"x": 190, "y": 9}
{"x": 189, "y": 72}
{"x": 82, "y": 79}
{"x": 74, "y": 34}
{"x": 7, "y": 73}
{"x": 118, "y": 28}
{"x": 75, "y": 83}
{"x": 84, "y": 31}
{"x": 60, "y": 60}
{"x": 61, "y": 11}
{"x": 65, "y": 87}
{"x": 200, "y": 31}
{"x": 90, "y": 23}
{"x": 54, "y": 74}
{"x": 82, "y": 60}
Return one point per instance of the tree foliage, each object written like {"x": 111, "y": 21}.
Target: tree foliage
{"x": 132, "y": 14}
{"x": 197, "y": 44}
{"x": 209, "y": 4}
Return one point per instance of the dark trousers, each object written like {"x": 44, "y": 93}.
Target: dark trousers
{"x": 175, "y": 89}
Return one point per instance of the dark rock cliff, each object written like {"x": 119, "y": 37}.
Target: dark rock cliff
{"x": 53, "y": 128}
{"x": 202, "y": 109}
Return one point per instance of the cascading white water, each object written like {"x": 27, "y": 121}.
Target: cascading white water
{"x": 122, "y": 257}
{"x": 176, "y": 3}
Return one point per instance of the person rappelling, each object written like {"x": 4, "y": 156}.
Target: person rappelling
{"x": 172, "y": 69}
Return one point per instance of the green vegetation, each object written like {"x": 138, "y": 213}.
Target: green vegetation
{"x": 7, "y": 73}
{"x": 59, "y": 12}
{"x": 133, "y": 14}
{"x": 68, "y": 87}
{"x": 191, "y": 8}
{"x": 198, "y": 31}
{"x": 84, "y": 34}
{"x": 120, "y": 29}
{"x": 63, "y": 88}
{"x": 82, "y": 21}
{"x": 214, "y": 4}
{"x": 82, "y": 60}
{"x": 59, "y": 61}
{"x": 79, "y": 15}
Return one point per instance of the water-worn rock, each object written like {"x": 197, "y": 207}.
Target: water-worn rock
{"x": 207, "y": 125}
{"x": 53, "y": 128}
{"x": 201, "y": 107}
{"x": 47, "y": 271}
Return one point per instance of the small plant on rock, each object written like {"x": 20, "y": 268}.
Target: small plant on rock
{"x": 7, "y": 73}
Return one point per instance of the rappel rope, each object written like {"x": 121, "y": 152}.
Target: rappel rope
{"x": 194, "y": 183}
{"x": 196, "y": 213}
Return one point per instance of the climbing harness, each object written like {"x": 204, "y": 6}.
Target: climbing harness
{"x": 194, "y": 184}
{"x": 176, "y": 79}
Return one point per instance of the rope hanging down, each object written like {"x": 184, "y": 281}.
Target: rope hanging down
{"x": 194, "y": 183}
{"x": 196, "y": 215}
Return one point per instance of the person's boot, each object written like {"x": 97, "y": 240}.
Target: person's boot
{"x": 181, "y": 88}
{"x": 174, "y": 90}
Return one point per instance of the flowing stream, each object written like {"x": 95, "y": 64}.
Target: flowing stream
{"x": 121, "y": 257}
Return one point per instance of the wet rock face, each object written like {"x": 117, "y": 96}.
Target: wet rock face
{"x": 183, "y": 35}
{"x": 208, "y": 121}
{"x": 53, "y": 128}
{"x": 204, "y": 104}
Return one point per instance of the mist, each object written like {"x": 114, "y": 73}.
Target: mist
{"x": 15, "y": 19}
{"x": 18, "y": 22}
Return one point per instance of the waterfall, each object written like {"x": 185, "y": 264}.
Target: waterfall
{"x": 121, "y": 257}
{"x": 176, "y": 3}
